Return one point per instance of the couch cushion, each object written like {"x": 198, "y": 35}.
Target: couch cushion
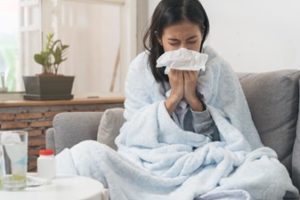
{"x": 273, "y": 99}
{"x": 72, "y": 128}
{"x": 109, "y": 126}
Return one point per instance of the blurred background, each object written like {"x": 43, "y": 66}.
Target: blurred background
{"x": 105, "y": 35}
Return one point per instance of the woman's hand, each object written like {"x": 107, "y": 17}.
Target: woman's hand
{"x": 177, "y": 89}
{"x": 190, "y": 87}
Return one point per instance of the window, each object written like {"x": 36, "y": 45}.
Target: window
{"x": 9, "y": 48}
{"x": 101, "y": 35}
{"x": 30, "y": 33}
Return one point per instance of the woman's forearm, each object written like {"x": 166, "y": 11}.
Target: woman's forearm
{"x": 196, "y": 105}
{"x": 171, "y": 104}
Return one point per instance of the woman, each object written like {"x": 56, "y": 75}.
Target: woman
{"x": 178, "y": 30}
{"x": 177, "y": 24}
{"x": 188, "y": 135}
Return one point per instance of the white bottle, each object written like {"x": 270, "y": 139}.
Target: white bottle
{"x": 46, "y": 164}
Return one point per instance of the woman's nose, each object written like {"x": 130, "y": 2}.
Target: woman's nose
{"x": 183, "y": 45}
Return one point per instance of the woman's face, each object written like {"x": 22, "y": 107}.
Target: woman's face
{"x": 185, "y": 34}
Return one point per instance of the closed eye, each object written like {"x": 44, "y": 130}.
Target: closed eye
{"x": 174, "y": 44}
{"x": 192, "y": 42}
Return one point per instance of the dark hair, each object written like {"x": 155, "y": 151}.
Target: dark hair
{"x": 169, "y": 12}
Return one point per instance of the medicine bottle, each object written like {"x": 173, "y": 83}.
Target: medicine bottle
{"x": 46, "y": 164}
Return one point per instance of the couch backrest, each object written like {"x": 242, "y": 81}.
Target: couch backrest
{"x": 72, "y": 128}
{"x": 273, "y": 100}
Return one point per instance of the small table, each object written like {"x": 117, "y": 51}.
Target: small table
{"x": 75, "y": 187}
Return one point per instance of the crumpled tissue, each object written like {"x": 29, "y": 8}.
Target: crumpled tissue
{"x": 182, "y": 59}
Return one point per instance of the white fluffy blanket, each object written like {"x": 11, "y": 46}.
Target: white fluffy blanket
{"x": 161, "y": 161}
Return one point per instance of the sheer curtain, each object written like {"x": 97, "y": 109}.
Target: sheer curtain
{"x": 30, "y": 39}
{"x": 101, "y": 35}
{"x": 92, "y": 29}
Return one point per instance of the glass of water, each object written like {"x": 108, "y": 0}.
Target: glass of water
{"x": 14, "y": 159}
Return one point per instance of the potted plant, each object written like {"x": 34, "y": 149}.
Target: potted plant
{"x": 49, "y": 85}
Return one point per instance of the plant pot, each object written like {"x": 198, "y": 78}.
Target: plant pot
{"x": 45, "y": 87}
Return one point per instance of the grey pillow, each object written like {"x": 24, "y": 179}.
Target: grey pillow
{"x": 109, "y": 127}
{"x": 273, "y": 99}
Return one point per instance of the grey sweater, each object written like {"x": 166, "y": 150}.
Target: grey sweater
{"x": 189, "y": 120}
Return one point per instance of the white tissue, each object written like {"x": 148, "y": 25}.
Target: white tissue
{"x": 182, "y": 59}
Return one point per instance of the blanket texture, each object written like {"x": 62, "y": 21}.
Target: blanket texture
{"x": 157, "y": 159}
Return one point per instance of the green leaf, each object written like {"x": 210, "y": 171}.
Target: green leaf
{"x": 64, "y": 47}
{"x": 39, "y": 58}
{"x": 52, "y": 55}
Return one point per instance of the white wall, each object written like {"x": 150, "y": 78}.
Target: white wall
{"x": 152, "y": 4}
{"x": 256, "y": 35}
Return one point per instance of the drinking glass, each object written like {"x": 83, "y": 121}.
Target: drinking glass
{"x": 14, "y": 145}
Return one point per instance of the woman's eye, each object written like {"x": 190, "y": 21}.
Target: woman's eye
{"x": 192, "y": 42}
{"x": 174, "y": 44}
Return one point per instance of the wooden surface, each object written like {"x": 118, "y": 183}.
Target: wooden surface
{"x": 76, "y": 101}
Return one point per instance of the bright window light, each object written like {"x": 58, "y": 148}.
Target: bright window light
{"x": 9, "y": 42}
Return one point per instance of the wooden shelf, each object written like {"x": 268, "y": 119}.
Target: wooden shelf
{"x": 76, "y": 101}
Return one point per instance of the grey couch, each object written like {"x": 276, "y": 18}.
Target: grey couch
{"x": 273, "y": 98}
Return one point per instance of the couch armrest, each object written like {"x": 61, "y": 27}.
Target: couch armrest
{"x": 73, "y": 127}
{"x": 50, "y": 139}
